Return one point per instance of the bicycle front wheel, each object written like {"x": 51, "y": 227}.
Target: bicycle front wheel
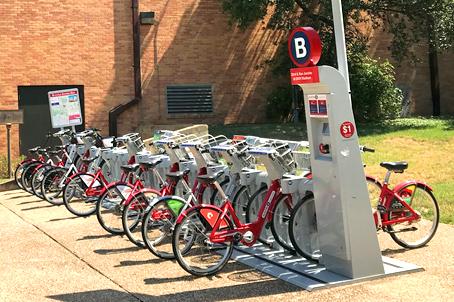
{"x": 133, "y": 214}
{"x": 280, "y": 222}
{"x": 416, "y": 233}
{"x": 52, "y": 185}
{"x": 158, "y": 224}
{"x": 109, "y": 208}
{"x": 27, "y": 175}
{"x": 192, "y": 246}
{"x": 303, "y": 229}
{"x": 266, "y": 235}
{"x": 75, "y": 197}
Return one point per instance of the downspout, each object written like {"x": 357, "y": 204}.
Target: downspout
{"x": 115, "y": 112}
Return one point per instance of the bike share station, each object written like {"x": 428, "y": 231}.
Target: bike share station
{"x": 345, "y": 228}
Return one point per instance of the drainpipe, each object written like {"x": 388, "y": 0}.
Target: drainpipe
{"x": 115, "y": 112}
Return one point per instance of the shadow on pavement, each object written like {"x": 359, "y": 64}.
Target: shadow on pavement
{"x": 38, "y": 207}
{"x": 27, "y": 202}
{"x": 65, "y": 218}
{"x": 140, "y": 262}
{"x": 91, "y": 237}
{"x": 390, "y": 252}
{"x": 241, "y": 291}
{"x": 24, "y": 196}
{"x": 117, "y": 251}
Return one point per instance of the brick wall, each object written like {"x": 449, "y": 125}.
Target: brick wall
{"x": 49, "y": 42}
{"x": 415, "y": 77}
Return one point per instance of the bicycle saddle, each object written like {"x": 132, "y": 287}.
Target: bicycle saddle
{"x": 151, "y": 164}
{"x": 398, "y": 166}
{"x": 130, "y": 168}
{"x": 209, "y": 178}
{"x": 175, "y": 176}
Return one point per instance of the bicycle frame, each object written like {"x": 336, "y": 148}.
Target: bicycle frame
{"x": 387, "y": 197}
{"x": 228, "y": 212}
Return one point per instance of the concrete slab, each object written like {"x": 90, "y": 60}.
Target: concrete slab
{"x": 46, "y": 254}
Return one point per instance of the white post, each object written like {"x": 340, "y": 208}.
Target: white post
{"x": 339, "y": 33}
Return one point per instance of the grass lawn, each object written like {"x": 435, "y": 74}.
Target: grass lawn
{"x": 426, "y": 144}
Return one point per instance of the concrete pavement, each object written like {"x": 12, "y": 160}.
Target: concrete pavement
{"x": 46, "y": 254}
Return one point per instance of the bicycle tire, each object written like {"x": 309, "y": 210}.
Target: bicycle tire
{"x": 80, "y": 183}
{"x": 113, "y": 200}
{"x": 266, "y": 236}
{"x": 161, "y": 228}
{"x": 424, "y": 210}
{"x": 50, "y": 185}
{"x": 18, "y": 173}
{"x": 133, "y": 214}
{"x": 240, "y": 202}
{"x": 203, "y": 228}
{"x": 27, "y": 175}
{"x": 38, "y": 178}
{"x": 280, "y": 222}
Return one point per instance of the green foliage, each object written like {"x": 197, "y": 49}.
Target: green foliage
{"x": 279, "y": 104}
{"x": 4, "y": 165}
{"x": 374, "y": 94}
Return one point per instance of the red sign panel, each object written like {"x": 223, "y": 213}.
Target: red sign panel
{"x": 306, "y": 75}
{"x": 347, "y": 129}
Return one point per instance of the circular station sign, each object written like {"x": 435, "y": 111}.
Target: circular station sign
{"x": 304, "y": 46}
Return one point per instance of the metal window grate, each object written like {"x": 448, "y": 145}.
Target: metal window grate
{"x": 190, "y": 99}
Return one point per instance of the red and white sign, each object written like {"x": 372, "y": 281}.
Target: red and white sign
{"x": 347, "y": 129}
{"x": 65, "y": 108}
{"x": 306, "y": 75}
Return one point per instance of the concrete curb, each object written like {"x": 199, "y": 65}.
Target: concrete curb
{"x": 8, "y": 186}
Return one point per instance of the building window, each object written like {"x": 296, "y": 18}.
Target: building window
{"x": 189, "y": 99}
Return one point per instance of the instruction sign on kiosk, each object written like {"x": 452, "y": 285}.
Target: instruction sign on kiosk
{"x": 65, "y": 108}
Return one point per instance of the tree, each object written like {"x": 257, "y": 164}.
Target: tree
{"x": 409, "y": 22}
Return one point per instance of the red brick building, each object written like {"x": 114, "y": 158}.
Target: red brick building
{"x": 89, "y": 43}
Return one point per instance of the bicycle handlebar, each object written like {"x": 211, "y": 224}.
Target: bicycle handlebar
{"x": 366, "y": 149}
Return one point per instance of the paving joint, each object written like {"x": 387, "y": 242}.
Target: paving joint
{"x": 73, "y": 253}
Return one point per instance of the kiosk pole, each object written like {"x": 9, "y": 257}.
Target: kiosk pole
{"x": 339, "y": 33}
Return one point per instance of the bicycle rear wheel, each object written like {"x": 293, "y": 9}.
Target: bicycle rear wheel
{"x": 133, "y": 214}
{"x": 192, "y": 246}
{"x": 240, "y": 203}
{"x": 109, "y": 208}
{"x": 419, "y": 232}
{"x": 18, "y": 172}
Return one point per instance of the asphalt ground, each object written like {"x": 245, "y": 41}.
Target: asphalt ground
{"x": 46, "y": 254}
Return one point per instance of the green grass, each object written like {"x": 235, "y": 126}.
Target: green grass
{"x": 427, "y": 145}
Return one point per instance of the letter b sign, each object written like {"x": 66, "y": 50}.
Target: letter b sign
{"x": 304, "y": 46}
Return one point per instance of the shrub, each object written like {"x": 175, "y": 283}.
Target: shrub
{"x": 374, "y": 94}
{"x": 279, "y": 104}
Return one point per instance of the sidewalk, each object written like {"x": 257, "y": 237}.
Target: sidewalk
{"x": 46, "y": 254}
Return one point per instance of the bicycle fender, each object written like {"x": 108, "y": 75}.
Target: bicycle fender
{"x": 404, "y": 184}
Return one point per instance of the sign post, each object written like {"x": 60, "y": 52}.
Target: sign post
{"x": 65, "y": 108}
{"x": 9, "y": 117}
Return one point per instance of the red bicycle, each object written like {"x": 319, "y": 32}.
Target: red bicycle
{"x": 408, "y": 212}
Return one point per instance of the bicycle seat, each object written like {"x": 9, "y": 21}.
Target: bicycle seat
{"x": 398, "y": 166}
{"x": 176, "y": 176}
{"x": 89, "y": 160}
{"x": 130, "y": 168}
{"x": 210, "y": 179}
{"x": 151, "y": 164}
